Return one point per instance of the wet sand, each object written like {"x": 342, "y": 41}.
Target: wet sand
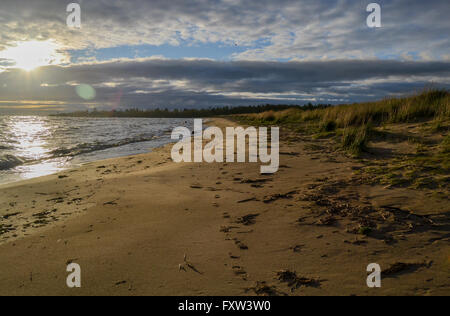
{"x": 144, "y": 225}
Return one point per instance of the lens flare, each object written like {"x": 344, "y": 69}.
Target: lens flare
{"x": 86, "y": 92}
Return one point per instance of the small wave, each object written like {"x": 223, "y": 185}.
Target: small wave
{"x": 86, "y": 148}
{"x": 9, "y": 161}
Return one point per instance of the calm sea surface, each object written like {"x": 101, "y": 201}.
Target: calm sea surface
{"x": 33, "y": 146}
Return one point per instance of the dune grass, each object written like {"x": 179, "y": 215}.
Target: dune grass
{"x": 434, "y": 104}
{"x": 355, "y": 122}
{"x": 355, "y": 139}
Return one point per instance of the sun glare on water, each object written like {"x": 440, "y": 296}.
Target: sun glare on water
{"x": 32, "y": 54}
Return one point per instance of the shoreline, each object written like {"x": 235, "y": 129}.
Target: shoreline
{"x": 91, "y": 173}
{"x": 137, "y": 225}
{"x": 82, "y": 164}
{"x": 153, "y": 159}
{"x": 59, "y": 155}
{"x": 206, "y": 121}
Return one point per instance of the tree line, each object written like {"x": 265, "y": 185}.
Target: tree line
{"x": 190, "y": 113}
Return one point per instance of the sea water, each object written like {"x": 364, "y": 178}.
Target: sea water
{"x": 33, "y": 146}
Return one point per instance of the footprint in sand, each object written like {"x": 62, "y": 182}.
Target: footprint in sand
{"x": 241, "y": 245}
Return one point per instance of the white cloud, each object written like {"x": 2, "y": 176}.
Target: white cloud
{"x": 295, "y": 29}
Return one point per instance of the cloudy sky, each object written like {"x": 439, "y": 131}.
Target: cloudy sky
{"x": 159, "y": 53}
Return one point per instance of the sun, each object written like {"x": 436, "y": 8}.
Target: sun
{"x": 32, "y": 54}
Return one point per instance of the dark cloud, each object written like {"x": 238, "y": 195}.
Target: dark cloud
{"x": 6, "y": 62}
{"x": 201, "y": 83}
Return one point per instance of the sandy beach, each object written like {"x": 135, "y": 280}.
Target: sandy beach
{"x": 144, "y": 225}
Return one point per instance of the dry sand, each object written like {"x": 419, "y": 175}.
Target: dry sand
{"x": 130, "y": 222}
